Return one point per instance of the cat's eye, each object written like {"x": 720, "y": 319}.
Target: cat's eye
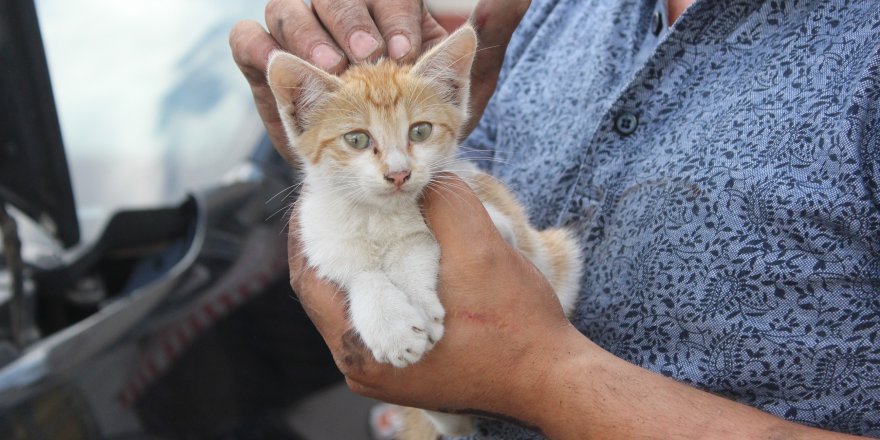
{"x": 421, "y": 131}
{"x": 357, "y": 139}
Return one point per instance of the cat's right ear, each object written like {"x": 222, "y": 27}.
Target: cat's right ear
{"x": 449, "y": 66}
{"x": 300, "y": 89}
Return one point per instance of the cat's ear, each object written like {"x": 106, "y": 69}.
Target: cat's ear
{"x": 299, "y": 88}
{"x": 449, "y": 65}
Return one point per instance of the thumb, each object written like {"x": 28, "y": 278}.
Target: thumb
{"x": 456, "y": 215}
{"x": 494, "y": 21}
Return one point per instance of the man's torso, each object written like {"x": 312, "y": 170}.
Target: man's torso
{"x": 723, "y": 176}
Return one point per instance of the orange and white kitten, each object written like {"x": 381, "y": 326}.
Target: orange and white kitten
{"x": 370, "y": 141}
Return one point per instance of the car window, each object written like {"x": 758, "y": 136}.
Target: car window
{"x": 150, "y": 102}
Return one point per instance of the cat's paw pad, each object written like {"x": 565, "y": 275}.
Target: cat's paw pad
{"x": 400, "y": 344}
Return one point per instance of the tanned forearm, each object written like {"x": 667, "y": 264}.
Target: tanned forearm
{"x": 593, "y": 394}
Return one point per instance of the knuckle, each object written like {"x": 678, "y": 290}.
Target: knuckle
{"x": 356, "y": 374}
{"x": 274, "y": 10}
{"x": 250, "y": 47}
{"x": 238, "y": 29}
{"x": 358, "y": 388}
{"x": 302, "y": 38}
{"x": 400, "y": 22}
{"x": 239, "y": 37}
{"x": 347, "y": 15}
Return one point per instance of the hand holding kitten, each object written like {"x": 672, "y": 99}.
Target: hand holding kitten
{"x": 501, "y": 313}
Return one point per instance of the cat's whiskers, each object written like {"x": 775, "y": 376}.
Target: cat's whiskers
{"x": 443, "y": 162}
{"x": 286, "y": 210}
{"x": 457, "y": 165}
{"x": 476, "y": 150}
{"x": 289, "y": 190}
{"x": 440, "y": 186}
{"x": 447, "y": 196}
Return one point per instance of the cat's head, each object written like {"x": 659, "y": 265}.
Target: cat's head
{"x": 379, "y": 132}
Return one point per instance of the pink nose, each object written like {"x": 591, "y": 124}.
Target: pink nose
{"x": 398, "y": 178}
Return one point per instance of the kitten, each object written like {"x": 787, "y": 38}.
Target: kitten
{"x": 370, "y": 141}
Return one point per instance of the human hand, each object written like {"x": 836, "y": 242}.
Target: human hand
{"x": 364, "y": 30}
{"x": 500, "y": 314}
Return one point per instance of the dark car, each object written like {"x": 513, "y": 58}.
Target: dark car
{"x": 149, "y": 299}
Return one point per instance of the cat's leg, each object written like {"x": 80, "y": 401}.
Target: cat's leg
{"x": 413, "y": 264}
{"x": 450, "y": 424}
{"x": 394, "y": 330}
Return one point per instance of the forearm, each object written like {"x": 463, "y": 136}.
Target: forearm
{"x": 593, "y": 394}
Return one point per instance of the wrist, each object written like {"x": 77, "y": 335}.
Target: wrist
{"x": 543, "y": 378}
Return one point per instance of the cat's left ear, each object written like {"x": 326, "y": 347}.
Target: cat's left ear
{"x": 449, "y": 64}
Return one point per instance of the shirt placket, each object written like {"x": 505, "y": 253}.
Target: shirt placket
{"x": 628, "y": 116}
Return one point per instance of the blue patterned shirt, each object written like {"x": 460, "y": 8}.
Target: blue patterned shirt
{"x": 724, "y": 177}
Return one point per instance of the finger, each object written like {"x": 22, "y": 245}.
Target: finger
{"x": 456, "y": 215}
{"x": 399, "y": 21}
{"x": 350, "y": 24}
{"x": 494, "y": 21}
{"x": 432, "y": 31}
{"x": 251, "y": 46}
{"x": 298, "y": 31}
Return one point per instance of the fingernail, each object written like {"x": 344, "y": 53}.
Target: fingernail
{"x": 325, "y": 56}
{"x": 362, "y": 44}
{"x": 398, "y": 47}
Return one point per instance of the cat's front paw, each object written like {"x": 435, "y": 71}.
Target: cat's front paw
{"x": 399, "y": 342}
{"x": 434, "y": 323}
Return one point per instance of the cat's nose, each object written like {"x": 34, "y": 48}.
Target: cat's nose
{"x": 398, "y": 178}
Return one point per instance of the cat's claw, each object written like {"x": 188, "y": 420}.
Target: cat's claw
{"x": 435, "y": 331}
{"x": 399, "y": 345}
{"x": 433, "y": 314}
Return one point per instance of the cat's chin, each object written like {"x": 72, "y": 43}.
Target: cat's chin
{"x": 394, "y": 198}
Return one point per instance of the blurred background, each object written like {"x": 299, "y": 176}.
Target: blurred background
{"x": 149, "y": 99}
{"x": 172, "y": 317}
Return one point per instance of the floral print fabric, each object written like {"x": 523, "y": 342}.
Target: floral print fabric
{"x": 723, "y": 177}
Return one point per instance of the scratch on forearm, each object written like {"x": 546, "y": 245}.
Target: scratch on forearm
{"x": 486, "y": 319}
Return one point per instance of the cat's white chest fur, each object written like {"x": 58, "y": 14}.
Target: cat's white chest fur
{"x": 387, "y": 261}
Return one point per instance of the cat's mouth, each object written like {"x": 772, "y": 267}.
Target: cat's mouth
{"x": 399, "y": 192}
{"x": 406, "y": 191}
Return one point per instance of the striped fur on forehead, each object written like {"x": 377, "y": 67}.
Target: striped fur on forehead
{"x": 381, "y": 85}
{"x": 385, "y": 84}
{"x": 374, "y": 96}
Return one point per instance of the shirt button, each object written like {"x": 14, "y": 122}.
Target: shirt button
{"x": 626, "y": 123}
{"x": 658, "y": 23}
